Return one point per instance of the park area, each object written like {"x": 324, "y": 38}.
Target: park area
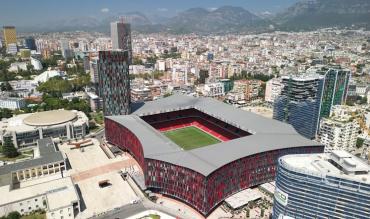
{"x": 190, "y": 138}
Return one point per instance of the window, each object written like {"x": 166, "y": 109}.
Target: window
{"x": 22, "y": 210}
{"x": 29, "y": 208}
{"x": 20, "y": 204}
{"x": 35, "y": 199}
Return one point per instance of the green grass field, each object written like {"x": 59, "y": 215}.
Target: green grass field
{"x": 191, "y": 137}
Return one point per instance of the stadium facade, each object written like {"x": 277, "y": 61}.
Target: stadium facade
{"x": 246, "y": 156}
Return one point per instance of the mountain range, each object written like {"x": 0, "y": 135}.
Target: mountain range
{"x": 304, "y": 15}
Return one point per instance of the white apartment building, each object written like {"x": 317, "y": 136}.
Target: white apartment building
{"x": 12, "y": 48}
{"x": 339, "y": 131}
{"x": 57, "y": 197}
{"x": 12, "y": 103}
{"x": 214, "y": 90}
{"x": 273, "y": 89}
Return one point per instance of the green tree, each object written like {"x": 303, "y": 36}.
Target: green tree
{"x": 80, "y": 105}
{"x": 55, "y": 85}
{"x": 247, "y": 213}
{"x": 262, "y": 212}
{"x": 359, "y": 142}
{"x": 137, "y": 61}
{"x": 363, "y": 101}
{"x": 5, "y": 113}
{"x": 14, "y": 215}
{"x": 8, "y": 148}
{"x": 152, "y": 59}
{"x": 5, "y": 86}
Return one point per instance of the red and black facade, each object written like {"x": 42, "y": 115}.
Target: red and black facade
{"x": 201, "y": 192}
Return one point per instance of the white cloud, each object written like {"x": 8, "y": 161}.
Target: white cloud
{"x": 104, "y": 10}
{"x": 162, "y": 9}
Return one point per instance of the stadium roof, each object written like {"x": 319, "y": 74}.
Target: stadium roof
{"x": 267, "y": 134}
{"x": 49, "y": 118}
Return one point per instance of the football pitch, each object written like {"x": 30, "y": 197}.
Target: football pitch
{"x": 191, "y": 137}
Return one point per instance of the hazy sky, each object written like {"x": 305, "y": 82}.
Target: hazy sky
{"x": 25, "y": 12}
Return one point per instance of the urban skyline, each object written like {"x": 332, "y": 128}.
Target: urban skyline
{"x": 213, "y": 113}
{"x": 98, "y": 9}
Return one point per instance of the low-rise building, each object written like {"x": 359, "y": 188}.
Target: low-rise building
{"x": 273, "y": 89}
{"x": 141, "y": 94}
{"x": 214, "y": 90}
{"x": 12, "y": 103}
{"x": 18, "y": 66}
{"x": 26, "y": 129}
{"x": 338, "y": 133}
{"x": 250, "y": 88}
{"x": 39, "y": 184}
{"x": 96, "y": 103}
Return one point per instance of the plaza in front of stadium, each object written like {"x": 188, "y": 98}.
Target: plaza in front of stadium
{"x": 201, "y": 151}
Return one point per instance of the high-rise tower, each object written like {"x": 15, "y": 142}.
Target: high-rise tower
{"x": 121, "y": 37}
{"x": 30, "y": 43}
{"x": 307, "y": 98}
{"x": 114, "y": 82}
{"x": 10, "y": 35}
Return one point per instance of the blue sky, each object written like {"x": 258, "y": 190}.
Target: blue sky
{"x": 26, "y": 12}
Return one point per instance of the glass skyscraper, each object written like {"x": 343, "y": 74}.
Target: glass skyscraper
{"x": 30, "y": 43}
{"x": 114, "y": 82}
{"x": 299, "y": 103}
{"x": 335, "y": 185}
{"x": 307, "y": 98}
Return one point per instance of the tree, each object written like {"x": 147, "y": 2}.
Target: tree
{"x": 55, "y": 85}
{"x": 359, "y": 142}
{"x": 247, "y": 213}
{"x": 137, "y": 61}
{"x": 14, "y": 215}
{"x": 8, "y": 148}
{"x": 6, "y": 86}
{"x": 262, "y": 212}
{"x": 5, "y": 113}
{"x": 363, "y": 101}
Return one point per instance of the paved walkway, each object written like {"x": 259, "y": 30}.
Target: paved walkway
{"x": 103, "y": 169}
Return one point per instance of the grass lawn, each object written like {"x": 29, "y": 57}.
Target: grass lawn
{"x": 191, "y": 137}
{"x": 98, "y": 117}
{"x": 34, "y": 216}
{"x": 21, "y": 156}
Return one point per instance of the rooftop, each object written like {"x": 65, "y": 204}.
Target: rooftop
{"x": 59, "y": 193}
{"x": 47, "y": 118}
{"x": 48, "y": 154}
{"x": 31, "y": 121}
{"x": 267, "y": 134}
{"x": 242, "y": 198}
{"x": 339, "y": 164}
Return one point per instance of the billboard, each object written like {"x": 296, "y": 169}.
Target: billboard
{"x": 281, "y": 196}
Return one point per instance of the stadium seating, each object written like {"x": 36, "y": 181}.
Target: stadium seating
{"x": 192, "y": 117}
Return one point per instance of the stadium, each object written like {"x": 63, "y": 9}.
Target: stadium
{"x": 201, "y": 151}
